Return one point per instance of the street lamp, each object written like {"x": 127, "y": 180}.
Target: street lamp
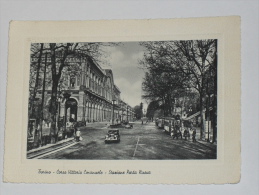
{"x": 120, "y": 112}
{"x": 113, "y": 104}
{"x": 127, "y": 113}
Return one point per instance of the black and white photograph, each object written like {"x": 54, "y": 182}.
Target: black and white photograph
{"x": 132, "y": 104}
{"x": 129, "y": 97}
{"x": 150, "y": 100}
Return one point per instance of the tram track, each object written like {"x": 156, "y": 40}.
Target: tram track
{"x": 50, "y": 150}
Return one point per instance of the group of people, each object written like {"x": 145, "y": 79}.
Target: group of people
{"x": 187, "y": 129}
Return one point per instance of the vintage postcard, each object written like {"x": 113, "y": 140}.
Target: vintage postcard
{"x": 124, "y": 101}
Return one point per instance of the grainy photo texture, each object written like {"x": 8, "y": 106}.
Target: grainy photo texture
{"x": 151, "y": 100}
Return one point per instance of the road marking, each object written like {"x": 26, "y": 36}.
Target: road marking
{"x": 56, "y": 150}
{"x": 136, "y": 148}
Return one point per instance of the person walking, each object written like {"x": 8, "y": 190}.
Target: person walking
{"x": 78, "y": 135}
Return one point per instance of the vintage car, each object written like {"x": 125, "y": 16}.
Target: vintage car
{"x": 112, "y": 136}
{"x": 127, "y": 125}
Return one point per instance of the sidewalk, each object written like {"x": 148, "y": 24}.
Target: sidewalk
{"x": 48, "y": 148}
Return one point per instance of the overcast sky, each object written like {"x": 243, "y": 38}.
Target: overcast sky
{"x": 127, "y": 74}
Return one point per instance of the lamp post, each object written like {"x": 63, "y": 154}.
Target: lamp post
{"x": 120, "y": 112}
{"x": 113, "y": 104}
{"x": 127, "y": 113}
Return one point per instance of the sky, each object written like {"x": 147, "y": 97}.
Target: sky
{"x": 123, "y": 61}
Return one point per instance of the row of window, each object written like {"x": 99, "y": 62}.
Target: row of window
{"x": 92, "y": 85}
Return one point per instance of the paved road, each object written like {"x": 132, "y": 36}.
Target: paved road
{"x": 143, "y": 142}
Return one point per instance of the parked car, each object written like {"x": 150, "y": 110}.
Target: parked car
{"x": 112, "y": 136}
{"x": 127, "y": 125}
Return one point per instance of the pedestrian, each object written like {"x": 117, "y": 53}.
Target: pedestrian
{"x": 194, "y": 135}
{"x": 78, "y": 135}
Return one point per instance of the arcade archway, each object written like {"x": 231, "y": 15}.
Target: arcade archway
{"x": 71, "y": 110}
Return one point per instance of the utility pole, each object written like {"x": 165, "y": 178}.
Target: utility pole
{"x": 113, "y": 103}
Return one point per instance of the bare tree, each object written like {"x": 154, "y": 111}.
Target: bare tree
{"x": 192, "y": 60}
{"x": 196, "y": 57}
{"x": 59, "y": 53}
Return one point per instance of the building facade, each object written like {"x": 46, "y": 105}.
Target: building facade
{"x": 93, "y": 95}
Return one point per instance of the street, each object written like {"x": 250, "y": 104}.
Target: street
{"x": 143, "y": 142}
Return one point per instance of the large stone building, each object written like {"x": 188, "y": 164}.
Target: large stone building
{"x": 93, "y": 95}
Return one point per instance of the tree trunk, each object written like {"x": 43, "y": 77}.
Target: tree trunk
{"x": 214, "y": 106}
{"x": 214, "y": 111}
{"x": 53, "y": 111}
{"x": 202, "y": 116}
{"x": 54, "y": 92}
{"x": 42, "y": 99}
{"x": 36, "y": 82}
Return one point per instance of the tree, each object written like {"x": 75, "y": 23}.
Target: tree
{"x": 191, "y": 60}
{"x": 152, "y": 107}
{"x": 36, "y": 77}
{"x": 163, "y": 79}
{"x": 59, "y": 53}
{"x": 196, "y": 57}
{"x": 138, "y": 112}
